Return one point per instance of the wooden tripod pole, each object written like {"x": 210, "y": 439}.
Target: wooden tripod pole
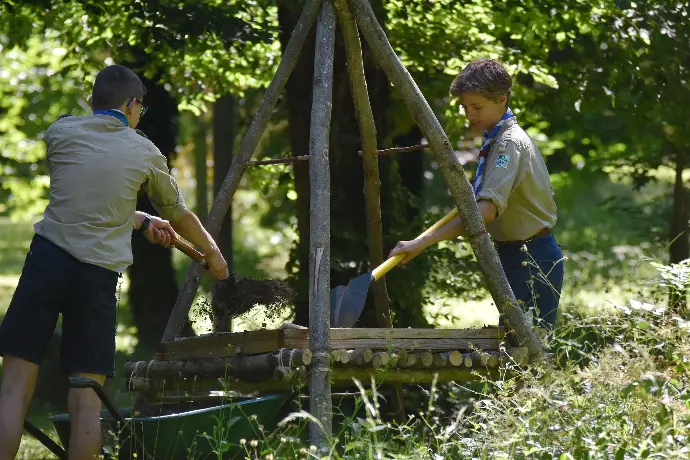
{"x": 320, "y": 404}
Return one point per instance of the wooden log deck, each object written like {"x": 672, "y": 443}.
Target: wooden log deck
{"x": 274, "y": 360}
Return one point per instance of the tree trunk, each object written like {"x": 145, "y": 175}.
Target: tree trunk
{"x": 680, "y": 239}
{"x": 402, "y": 211}
{"x": 298, "y": 95}
{"x": 200, "y": 155}
{"x": 153, "y": 288}
{"x": 348, "y": 217}
{"x": 411, "y": 170}
{"x": 224, "y": 120}
{"x": 224, "y": 126}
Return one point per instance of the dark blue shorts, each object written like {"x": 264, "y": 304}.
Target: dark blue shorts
{"x": 52, "y": 283}
{"x": 535, "y": 275}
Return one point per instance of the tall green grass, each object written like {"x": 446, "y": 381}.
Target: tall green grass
{"x": 617, "y": 387}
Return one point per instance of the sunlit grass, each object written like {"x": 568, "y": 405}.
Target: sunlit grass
{"x": 459, "y": 314}
{"x": 31, "y": 449}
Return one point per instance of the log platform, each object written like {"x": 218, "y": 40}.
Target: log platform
{"x": 253, "y": 362}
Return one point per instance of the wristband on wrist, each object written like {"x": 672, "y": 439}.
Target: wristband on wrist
{"x": 145, "y": 224}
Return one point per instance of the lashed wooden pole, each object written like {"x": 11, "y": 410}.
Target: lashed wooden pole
{"x": 320, "y": 230}
{"x": 239, "y": 164}
{"x": 453, "y": 173}
{"x": 367, "y": 130}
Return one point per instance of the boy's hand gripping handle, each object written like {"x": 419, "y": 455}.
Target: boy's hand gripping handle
{"x": 389, "y": 264}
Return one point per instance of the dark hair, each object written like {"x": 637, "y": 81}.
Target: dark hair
{"x": 114, "y": 86}
{"x": 487, "y": 77}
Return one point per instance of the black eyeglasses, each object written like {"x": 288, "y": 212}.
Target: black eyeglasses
{"x": 144, "y": 109}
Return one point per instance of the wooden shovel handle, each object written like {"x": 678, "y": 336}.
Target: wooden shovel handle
{"x": 190, "y": 251}
{"x": 385, "y": 267}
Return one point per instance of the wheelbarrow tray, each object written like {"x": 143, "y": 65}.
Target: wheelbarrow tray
{"x": 187, "y": 434}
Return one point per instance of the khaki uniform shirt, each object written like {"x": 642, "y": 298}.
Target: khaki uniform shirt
{"x": 97, "y": 167}
{"x": 517, "y": 182}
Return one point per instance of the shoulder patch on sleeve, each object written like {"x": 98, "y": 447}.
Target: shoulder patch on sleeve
{"x": 502, "y": 161}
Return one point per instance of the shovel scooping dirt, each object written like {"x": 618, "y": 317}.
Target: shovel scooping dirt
{"x": 235, "y": 296}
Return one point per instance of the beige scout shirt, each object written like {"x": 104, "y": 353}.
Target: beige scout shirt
{"x": 97, "y": 166}
{"x": 517, "y": 182}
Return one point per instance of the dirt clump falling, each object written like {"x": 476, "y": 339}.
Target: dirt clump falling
{"x": 235, "y": 296}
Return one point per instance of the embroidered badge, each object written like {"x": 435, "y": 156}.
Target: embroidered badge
{"x": 502, "y": 161}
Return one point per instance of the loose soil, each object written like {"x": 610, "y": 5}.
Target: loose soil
{"x": 237, "y": 295}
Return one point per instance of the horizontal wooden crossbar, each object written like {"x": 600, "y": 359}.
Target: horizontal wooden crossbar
{"x": 264, "y": 341}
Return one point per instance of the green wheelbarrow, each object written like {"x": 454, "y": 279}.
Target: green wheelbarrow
{"x": 171, "y": 433}
{"x": 115, "y": 414}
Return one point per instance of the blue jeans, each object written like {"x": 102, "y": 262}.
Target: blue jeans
{"x": 535, "y": 275}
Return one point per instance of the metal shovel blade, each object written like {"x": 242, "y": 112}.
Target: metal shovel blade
{"x": 351, "y": 301}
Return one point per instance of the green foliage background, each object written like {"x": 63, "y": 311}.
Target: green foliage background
{"x": 601, "y": 86}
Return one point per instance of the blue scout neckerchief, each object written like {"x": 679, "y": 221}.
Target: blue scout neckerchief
{"x": 486, "y": 146}
{"x": 113, "y": 113}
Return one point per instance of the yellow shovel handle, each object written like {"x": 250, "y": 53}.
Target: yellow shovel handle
{"x": 385, "y": 267}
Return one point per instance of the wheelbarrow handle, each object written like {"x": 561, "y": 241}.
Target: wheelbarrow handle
{"x": 43, "y": 438}
{"x": 191, "y": 252}
{"x": 385, "y": 267}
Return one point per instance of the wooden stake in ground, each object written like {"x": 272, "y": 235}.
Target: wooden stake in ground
{"x": 249, "y": 143}
{"x": 453, "y": 173}
{"x": 320, "y": 403}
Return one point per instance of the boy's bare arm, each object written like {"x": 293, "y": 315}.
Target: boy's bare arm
{"x": 192, "y": 230}
{"x": 451, "y": 230}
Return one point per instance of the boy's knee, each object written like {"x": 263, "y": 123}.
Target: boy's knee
{"x": 83, "y": 404}
{"x": 85, "y": 400}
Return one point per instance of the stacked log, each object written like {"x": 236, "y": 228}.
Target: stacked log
{"x": 241, "y": 367}
{"x": 285, "y": 369}
{"x": 283, "y": 363}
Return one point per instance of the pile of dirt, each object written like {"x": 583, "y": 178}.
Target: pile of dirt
{"x": 237, "y": 295}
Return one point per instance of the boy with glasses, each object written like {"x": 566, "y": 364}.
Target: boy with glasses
{"x": 98, "y": 164}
